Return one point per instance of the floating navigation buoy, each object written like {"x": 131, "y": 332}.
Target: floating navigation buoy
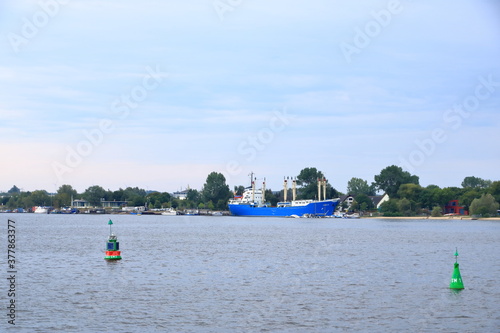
{"x": 456, "y": 278}
{"x": 112, "y": 246}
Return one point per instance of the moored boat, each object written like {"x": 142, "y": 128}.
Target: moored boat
{"x": 169, "y": 212}
{"x": 41, "y": 210}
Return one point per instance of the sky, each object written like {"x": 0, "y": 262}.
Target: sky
{"x": 159, "y": 93}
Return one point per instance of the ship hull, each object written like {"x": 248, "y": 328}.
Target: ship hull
{"x": 318, "y": 208}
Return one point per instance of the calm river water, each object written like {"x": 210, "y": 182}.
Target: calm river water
{"x": 237, "y": 274}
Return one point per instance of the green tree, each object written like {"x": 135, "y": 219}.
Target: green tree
{"x": 390, "y": 179}
{"x": 136, "y": 200}
{"x": 118, "y": 195}
{"x": 133, "y": 193}
{"x": 40, "y": 198}
{"x": 216, "y": 189}
{"x": 271, "y": 198}
{"x": 475, "y": 182}
{"x": 405, "y": 207}
{"x": 494, "y": 190}
{"x": 410, "y": 191}
{"x": 4, "y": 199}
{"x": 307, "y": 180}
{"x": 159, "y": 200}
{"x": 64, "y": 195}
{"x": 449, "y": 193}
{"x": 364, "y": 201}
{"x": 354, "y": 206}
{"x": 436, "y": 211}
{"x": 429, "y": 196}
{"x": 390, "y": 208}
{"x": 308, "y": 176}
{"x": 469, "y": 196}
{"x": 12, "y": 202}
{"x": 485, "y": 206}
{"x": 153, "y": 200}
{"x": 238, "y": 190}
{"x": 25, "y": 200}
{"x": 357, "y": 186}
{"x": 193, "y": 195}
{"x": 94, "y": 194}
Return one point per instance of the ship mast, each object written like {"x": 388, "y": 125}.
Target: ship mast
{"x": 294, "y": 189}
{"x": 319, "y": 189}
{"x": 324, "y": 188}
{"x": 264, "y": 191}
{"x": 285, "y": 189}
{"x": 253, "y": 187}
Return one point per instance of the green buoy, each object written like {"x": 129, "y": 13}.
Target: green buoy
{"x": 456, "y": 279}
{"x": 112, "y": 246}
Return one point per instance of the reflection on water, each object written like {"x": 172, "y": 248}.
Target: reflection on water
{"x": 234, "y": 274}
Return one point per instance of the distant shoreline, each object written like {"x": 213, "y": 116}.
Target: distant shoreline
{"x": 431, "y": 218}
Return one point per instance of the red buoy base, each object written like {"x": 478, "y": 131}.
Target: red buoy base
{"x": 113, "y": 255}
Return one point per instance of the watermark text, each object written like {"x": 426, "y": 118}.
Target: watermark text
{"x": 31, "y": 27}
{"x": 11, "y": 272}
{"x": 453, "y": 119}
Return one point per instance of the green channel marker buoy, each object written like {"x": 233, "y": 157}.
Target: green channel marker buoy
{"x": 112, "y": 246}
{"x": 456, "y": 279}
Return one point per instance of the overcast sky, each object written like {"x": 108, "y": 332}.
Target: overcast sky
{"x": 158, "y": 94}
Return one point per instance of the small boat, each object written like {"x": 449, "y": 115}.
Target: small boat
{"x": 351, "y": 216}
{"x": 169, "y": 212}
{"x": 41, "y": 210}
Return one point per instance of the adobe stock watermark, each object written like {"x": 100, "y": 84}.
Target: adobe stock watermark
{"x": 221, "y": 7}
{"x": 120, "y": 108}
{"x": 249, "y": 148}
{"x": 453, "y": 118}
{"x": 32, "y": 26}
{"x": 373, "y": 28}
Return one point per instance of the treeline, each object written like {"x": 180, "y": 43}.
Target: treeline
{"x": 214, "y": 195}
{"x": 407, "y": 197}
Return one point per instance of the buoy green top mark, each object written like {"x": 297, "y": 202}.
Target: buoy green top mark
{"x": 456, "y": 279}
{"x": 110, "y": 223}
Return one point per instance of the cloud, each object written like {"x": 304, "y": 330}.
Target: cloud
{"x": 225, "y": 78}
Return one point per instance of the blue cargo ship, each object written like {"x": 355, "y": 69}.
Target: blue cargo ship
{"x": 252, "y": 203}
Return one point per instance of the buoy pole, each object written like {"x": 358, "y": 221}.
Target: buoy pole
{"x": 456, "y": 279}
